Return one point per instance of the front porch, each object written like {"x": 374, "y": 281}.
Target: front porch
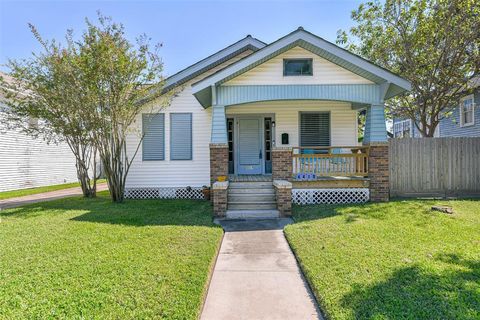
{"x": 300, "y": 152}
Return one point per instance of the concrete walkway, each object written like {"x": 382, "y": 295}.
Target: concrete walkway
{"x": 45, "y": 196}
{"x": 256, "y": 275}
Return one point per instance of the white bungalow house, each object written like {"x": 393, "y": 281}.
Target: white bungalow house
{"x": 277, "y": 122}
{"x": 27, "y": 162}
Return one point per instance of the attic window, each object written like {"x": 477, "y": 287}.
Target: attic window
{"x": 297, "y": 67}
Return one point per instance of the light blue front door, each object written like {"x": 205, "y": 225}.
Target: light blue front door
{"x": 249, "y": 146}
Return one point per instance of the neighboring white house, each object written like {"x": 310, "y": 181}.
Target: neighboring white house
{"x": 26, "y": 162}
{"x": 264, "y": 112}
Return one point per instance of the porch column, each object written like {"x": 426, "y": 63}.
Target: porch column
{"x": 375, "y": 137}
{"x": 218, "y": 144}
{"x": 281, "y": 163}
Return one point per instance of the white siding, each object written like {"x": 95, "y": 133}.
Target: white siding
{"x": 177, "y": 173}
{"x": 271, "y": 72}
{"x": 342, "y": 119}
{"x": 27, "y": 163}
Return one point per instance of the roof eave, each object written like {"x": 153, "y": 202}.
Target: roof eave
{"x": 313, "y": 40}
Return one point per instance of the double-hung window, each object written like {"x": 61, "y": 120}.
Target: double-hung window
{"x": 297, "y": 67}
{"x": 314, "y": 129}
{"x": 402, "y": 129}
{"x": 180, "y": 136}
{"x": 153, "y": 144}
{"x": 467, "y": 108}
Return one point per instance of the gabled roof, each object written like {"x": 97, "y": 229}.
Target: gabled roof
{"x": 247, "y": 43}
{"x": 315, "y": 44}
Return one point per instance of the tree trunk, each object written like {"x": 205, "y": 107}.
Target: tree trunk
{"x": 88, "y": 190}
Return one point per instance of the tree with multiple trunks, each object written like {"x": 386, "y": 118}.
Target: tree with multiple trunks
{"x": 435, "y": 44}
{"x": 92, "y": 92}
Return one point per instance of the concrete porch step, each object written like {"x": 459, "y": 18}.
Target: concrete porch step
{"x": 251, "y": 197}
{"x": 251, "y": 185}
{"x": 265, "y": 205}
{"x": 252, "y": 214}
{"x": 247, "y": 191}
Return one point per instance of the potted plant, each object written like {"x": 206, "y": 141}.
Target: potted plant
{"x": 206, "y": 192}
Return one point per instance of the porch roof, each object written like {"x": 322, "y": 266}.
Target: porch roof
{"x": 190, "y": 72}
{"x": 392, "y": 84}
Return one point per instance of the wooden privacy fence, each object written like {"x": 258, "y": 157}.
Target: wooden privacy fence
{"x": 434, "y": 167}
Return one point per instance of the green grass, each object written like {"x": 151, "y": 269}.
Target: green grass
{"x": 396, "y": 260}
{"x": 91, "y": 259}
{"x": 30, "y": 191}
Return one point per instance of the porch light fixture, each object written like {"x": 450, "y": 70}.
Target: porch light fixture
{"x": 273, "y": 124}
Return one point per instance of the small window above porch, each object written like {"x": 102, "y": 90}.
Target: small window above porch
{"x": 297, "y": 67}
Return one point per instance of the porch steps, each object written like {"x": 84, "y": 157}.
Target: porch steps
{"x": 251, "y": 200}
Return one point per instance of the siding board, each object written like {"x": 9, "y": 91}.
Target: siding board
{"x": 26, "y": 162}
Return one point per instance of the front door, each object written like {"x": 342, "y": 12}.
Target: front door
{"x": 250, "y": 151}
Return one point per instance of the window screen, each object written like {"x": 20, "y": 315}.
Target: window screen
{"x": 315, "y": 129}
{"x": 153, "y": 145}
{"x": 181, "y": 136}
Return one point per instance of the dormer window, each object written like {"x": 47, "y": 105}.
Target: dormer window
{"x": 297, "y": 67}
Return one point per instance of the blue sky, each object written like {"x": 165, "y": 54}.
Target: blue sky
{"x": 188, "y": 30}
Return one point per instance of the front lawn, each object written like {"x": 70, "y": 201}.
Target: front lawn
{"x": 30, "y": 191}
{"x": 396, "y": 260}
{"x": 91, "y": 259}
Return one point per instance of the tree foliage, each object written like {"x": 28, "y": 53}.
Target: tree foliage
{"x": 435, "y": 44}
{"x": 122, "y": 80}
{"x": 91, "y": 92}
{"x": 45, "y": 87}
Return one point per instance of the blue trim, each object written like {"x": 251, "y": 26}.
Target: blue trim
{"x": 375, "y": 126}
{"x": 219, "y": 125}
{"x": 356, "y": 93}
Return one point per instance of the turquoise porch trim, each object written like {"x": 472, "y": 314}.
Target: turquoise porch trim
{"x": 219, "y": 125}
{"x": 354, "y": 93}
{"x": 375, "y": 126}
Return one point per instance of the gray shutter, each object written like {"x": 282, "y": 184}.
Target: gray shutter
{"x": 315, "y": 129}
{"x": 181, "y": 136}
{"x": 153, "y": 146}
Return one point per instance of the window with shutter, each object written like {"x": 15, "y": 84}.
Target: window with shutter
{"x": 153, "y": 144}
{"x": 181, "y": 136}
{"x": 314, "y": 129}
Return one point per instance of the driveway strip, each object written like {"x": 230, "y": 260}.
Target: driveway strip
{"x": 256, "y": 275}
{"x": 45, "y": 196}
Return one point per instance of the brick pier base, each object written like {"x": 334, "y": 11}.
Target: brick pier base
{"x": 378, "y": 172}
{"x": 283, "y": 192}
{"x": 220, "y": 193}
{"x": 282, "y": 163}
{"x": 218, "y": 161}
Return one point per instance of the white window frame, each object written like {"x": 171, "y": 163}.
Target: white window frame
{"x": 401, "y": 124}
{"x": 472, "y": 106}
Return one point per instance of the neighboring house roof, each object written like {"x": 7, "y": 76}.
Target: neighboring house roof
{"x": 247, "y": 43}
{"x": 315, "y": 44}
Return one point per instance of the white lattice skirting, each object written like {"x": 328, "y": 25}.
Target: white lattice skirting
{"x": 164, "y": 193}
{"x": 330, "y": 196}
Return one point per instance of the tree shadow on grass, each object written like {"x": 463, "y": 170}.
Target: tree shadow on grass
{"x": 355, "y": 212}
{"x": 131, "y": 212}
{"x": 351, "y": 212}
{"x": 417, "y": 293}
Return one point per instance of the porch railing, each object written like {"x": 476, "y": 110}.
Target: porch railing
{"x": 310, "y": 163}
